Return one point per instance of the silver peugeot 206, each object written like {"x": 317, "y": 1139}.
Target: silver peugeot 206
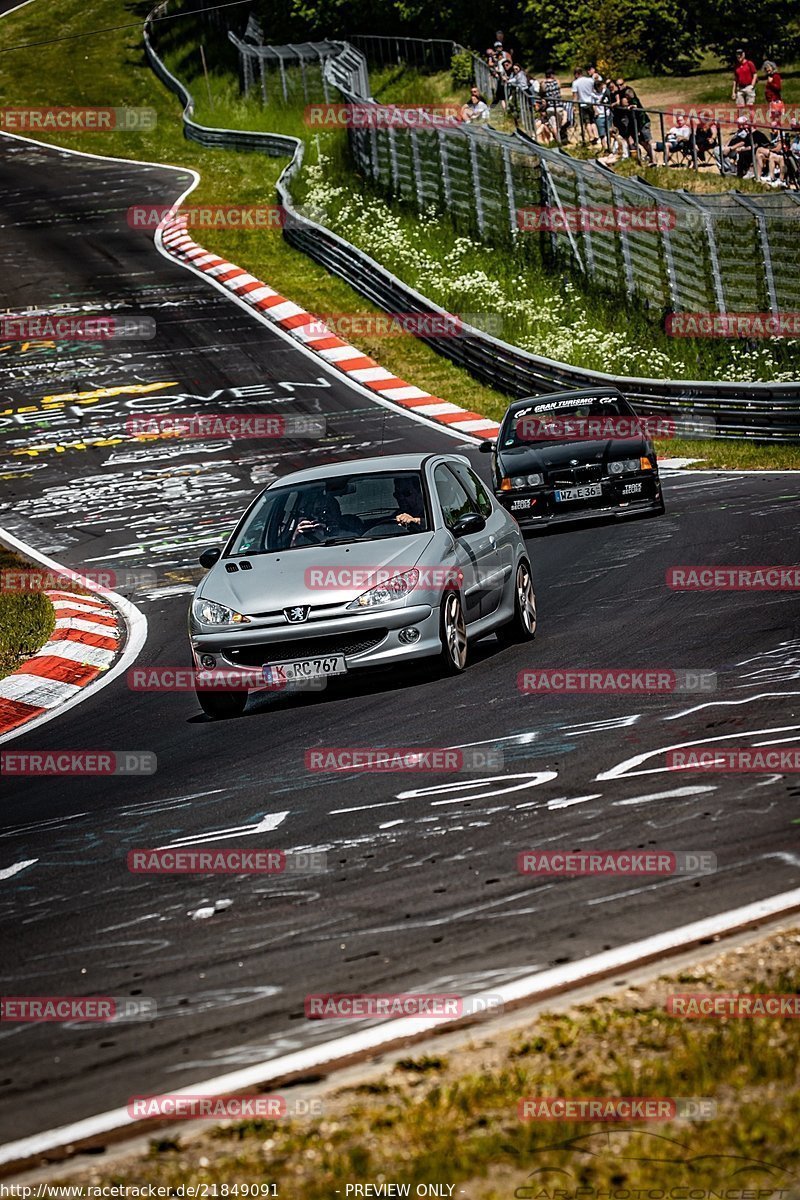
{"x": 359, "y": 564}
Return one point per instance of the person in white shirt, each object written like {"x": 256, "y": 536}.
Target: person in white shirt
{"x": 678, "y": 137}
{"x": 583, "y": 90}
{"x": 476, "y": 109}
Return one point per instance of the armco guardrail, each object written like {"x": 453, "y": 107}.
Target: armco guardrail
{"x": 764, "y": 411}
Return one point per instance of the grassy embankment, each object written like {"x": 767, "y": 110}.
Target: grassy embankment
{"x": 27, "y": 618}
{"x": 450, "y": 1116}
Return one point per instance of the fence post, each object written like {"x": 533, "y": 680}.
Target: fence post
{"x": 446, "y": 189}
{"x": 247, "y": 70}
{"x": 766, "y": 250}
{"x": 393, "y": 169}
{"x": 283, "y": 78}
{"x": 552, "y": 194}
{"x": 374, "y": 160}
{"x": 263, "y": 77}
{"x": 623, "y": 240}
{"x": 417, "y": 165}
{"x": 509, "y": 178}
{"x": 713, "y": 257}
{"x": 476, "y": 182}
{"x": 587, "y": 236}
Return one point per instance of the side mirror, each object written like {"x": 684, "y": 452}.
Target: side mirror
{"x": 210, "y": 556}
{"x": 471, "y": 522}
{"x": 486, "y": 446}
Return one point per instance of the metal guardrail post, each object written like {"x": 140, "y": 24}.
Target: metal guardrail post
{"x": 766, "y": 249}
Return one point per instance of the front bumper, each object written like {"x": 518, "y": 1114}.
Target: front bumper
{"x": 364, "y": 639}
{"x": 538, "y": 507}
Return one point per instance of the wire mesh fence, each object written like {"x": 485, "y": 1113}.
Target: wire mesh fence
{"x": 426, "y": 54}
{"x": 679, "y": 251}
{"x": 284, "y": 75}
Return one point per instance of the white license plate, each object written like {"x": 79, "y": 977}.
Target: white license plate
{"x": 516, "y": 505}
{"x": 303, "y": 669}
{"x": 579, "y": 493}
{"x": 630, "y": 489}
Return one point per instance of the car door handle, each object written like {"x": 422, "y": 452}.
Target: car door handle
{"x": 492, "y": 540}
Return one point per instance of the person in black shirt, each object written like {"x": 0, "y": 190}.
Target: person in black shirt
{"x": 740, "y": 148}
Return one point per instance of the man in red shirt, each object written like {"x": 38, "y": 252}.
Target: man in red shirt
{"x": 745, "y": 77}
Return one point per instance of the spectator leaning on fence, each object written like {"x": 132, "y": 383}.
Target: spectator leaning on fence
{"x": 583, "y": 91}
{"x": 554, "y": 106}
{"x": 476, "y": 109}
{"x": 745, "y": 78}
{"x": 601, "y": 98}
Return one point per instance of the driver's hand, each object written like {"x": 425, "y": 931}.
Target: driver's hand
{"x": 306, "y": 524}
{"x": 406, "y": 519}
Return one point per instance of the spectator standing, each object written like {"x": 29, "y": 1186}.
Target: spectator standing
{"x": 644, "y": 136}
{"x": 745, "y": 78}
{"x": 773, "y": 86}
{"x": 583, "y": 91}
{"x": 554, "y": 107}
{"x": 601, "y": 98}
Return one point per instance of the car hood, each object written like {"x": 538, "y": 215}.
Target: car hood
{"x": 549, "y": 455}
{"x": 315, "y": 575}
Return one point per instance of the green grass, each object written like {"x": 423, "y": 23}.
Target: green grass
{"x": 26, "y": 618}
{"x": 111, "y": 68}
{"x": 454, "y": 1119}
{"x": 739, "y": 455}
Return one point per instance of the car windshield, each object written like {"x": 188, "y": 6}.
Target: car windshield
{"x": 566, "y": 420}
{"x": 327, "y": 512}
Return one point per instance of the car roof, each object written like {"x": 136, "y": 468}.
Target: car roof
{"x": 575, "y": 394}
{"x": 364, "y": 466}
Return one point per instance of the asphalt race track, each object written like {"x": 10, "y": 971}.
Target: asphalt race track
{"x": 421, "y": 891}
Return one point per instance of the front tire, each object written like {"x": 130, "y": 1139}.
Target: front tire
{"x": 522, "y": 626}
{"x": 222, "y": 706}
{"x": 453, "y": 635}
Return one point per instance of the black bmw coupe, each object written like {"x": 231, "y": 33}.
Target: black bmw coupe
{"x": 575, "y": 456}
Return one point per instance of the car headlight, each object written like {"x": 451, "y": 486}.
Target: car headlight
{"x": 521, "y": 481}
{"x": 624, "y": 464}
{"x": 208, "y": 612}
{"x": 396, "y": 587}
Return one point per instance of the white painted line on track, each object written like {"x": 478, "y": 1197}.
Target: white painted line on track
{"x": 529, "y": 989}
